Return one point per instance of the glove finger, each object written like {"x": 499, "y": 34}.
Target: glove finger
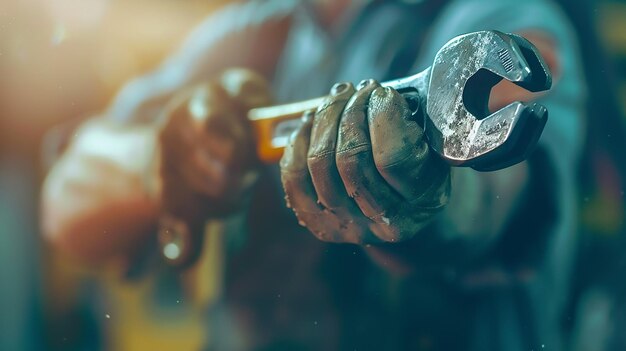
{"x": 219, "y": 126}
{"x": 299, "y": 191}
{"x": 356, "y": 163}
{"x": 244, "y": 90}
{"x": 337, "y": 226}
{"x": 249, "y": 89}
{"x": 403, "y": 222}
{"x": 321, "y": 156}
{"x": 400, "y": 151}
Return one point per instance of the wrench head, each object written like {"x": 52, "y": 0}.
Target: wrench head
{"x": 458, "y": 123}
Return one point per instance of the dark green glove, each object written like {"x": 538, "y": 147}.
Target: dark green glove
{"x": 359, "y": 171}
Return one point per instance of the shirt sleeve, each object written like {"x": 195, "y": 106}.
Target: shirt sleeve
{"x": 231, "y": 37}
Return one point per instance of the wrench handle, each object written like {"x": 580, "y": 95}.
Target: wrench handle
{"x": 273, "y": 125}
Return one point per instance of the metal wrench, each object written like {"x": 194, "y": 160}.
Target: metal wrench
{"x": 450, "y": 98}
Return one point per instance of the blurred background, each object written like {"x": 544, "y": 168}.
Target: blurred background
{"x": 62, "y": 60}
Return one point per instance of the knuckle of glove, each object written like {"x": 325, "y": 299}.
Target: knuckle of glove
{"x": 396, "y": 136}
{"x": 397, "y": 228}
{"x": 329, "y": 227}
{"x": 246, "y": 87}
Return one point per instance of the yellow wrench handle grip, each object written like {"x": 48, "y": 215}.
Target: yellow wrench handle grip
{"x": 272, "y": 126}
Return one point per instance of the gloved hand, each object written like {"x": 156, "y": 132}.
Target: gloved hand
{"x": 359, "y": 170}
{"x": 207, "y": 157}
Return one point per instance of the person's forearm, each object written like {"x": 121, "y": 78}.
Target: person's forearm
{"x": 96, "y": 201}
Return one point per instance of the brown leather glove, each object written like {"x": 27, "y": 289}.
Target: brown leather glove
{"x": 359, "y": 170}
{"x": 207, "y": 157}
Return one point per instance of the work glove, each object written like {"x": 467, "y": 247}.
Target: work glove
{"x": 359, "y": 170}
{"x": 207, "y": 158}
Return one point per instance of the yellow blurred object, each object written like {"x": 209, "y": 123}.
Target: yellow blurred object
{"x": 613, "y": 30}
{"x": 613, "y": 26}
{"x": 136, "y": 323}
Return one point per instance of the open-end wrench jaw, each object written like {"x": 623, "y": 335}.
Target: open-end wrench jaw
{"x": 457, "y": 122}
